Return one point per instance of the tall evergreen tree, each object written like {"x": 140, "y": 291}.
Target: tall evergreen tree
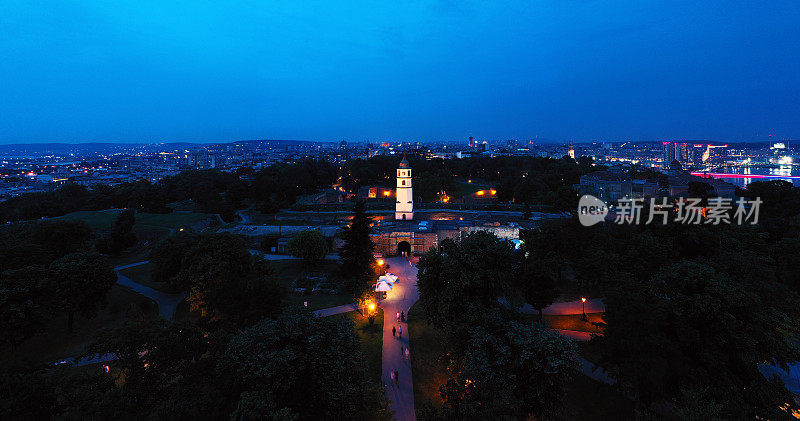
{"x": 121, "y": 235}
{"x": 358, "y": 263}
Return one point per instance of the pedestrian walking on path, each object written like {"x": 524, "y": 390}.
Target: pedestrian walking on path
{"x": 397, "y": 377}
{"x": 407, "y": 353}
{"x": 400, "y": 332}
{"x": 392, "y": 377}
{"x": 398, "y": 317}
{"x": 402, "y": 317}
{"x": 394, "y": 331}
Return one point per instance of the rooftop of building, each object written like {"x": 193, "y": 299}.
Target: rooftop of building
{"x": 404, "y": 163}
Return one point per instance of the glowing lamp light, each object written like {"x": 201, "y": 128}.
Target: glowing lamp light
{"x": 493, "y": 192}
{"x": 371, "y": 307}
{"x": 387, "y": 193}
{"x": 583, "y": 299}
{"x": 480, "y": 192}
{"x": 380, "y": 262}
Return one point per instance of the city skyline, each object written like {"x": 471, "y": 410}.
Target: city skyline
{"x": 151, "y": 72}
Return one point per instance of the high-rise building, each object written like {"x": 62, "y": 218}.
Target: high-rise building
{"x": 471, "y": 142}
{"x": 404, "y": 206}
{"x": 669, "y": 153}
{"x": 681, "y": 152}
{"x": 571, "y": 151}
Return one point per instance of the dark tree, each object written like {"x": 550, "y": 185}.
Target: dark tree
{"x": 691, "y": 329}
{"x": 358, "y": 262}
{"x": 279, "y": 364}
{"x": 121, "y": 236}
{"x": 471, "y": 276}
{"x": 167, "y": 258}
{"x": 24, "y": 304}
{"x": 500, "y": 366}
{"x": 309, "y": 245}
{"x": 80, "y": 282}
{"x": 520, "y": 372}
{"x": 222, "y": 277}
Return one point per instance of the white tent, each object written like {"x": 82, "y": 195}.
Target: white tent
{"x": 388, "y": 278}
{"x": 383, "y": 287}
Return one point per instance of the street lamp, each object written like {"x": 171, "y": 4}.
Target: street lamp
{"x": 583, "y": 309}
{"x": 371, "y": 313}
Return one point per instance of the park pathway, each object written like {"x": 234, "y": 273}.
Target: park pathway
{"x": 401, "y": 298}
{"x": 167, "y": 303}
{"x": 330, "y": 311}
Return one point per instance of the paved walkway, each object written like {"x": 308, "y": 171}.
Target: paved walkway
{"x": 330, "y": 311}
{"x": 594, "y": 305}
{"x": 401, "y": 298}
{"x": 167, "y": 303}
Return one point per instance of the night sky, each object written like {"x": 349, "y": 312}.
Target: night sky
{"x": 143, "y": 71}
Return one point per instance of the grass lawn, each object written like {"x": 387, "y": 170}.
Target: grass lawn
{"x": 149, "y": 229}
{"x": 54, "y": 343}
{"x": 464, "y": 188}
{"x": 288, "y": 270}
{"x": 170, "y": 220}
{"x": 574, "y": 322}
{"x": 145, "y": 222}
{"x": 371, "y": 339}
{"x": 97, "y": 220}
{"x": 426, "y": 347}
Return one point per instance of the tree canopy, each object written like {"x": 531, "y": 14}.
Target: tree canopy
{"x": 309, "y": 245}
{"x": 302, "y": 365}
{"x": 80, "y": 282}
{"x": 499, "y": 364}
{"x": 222, "y": 277}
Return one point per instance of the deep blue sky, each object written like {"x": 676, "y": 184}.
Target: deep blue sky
{"x": 76, "y": 71}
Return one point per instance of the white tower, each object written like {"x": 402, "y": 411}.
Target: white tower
{"x": 404, "y": 208}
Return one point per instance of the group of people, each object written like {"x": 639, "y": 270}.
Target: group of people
{"x": 397, "y": 332}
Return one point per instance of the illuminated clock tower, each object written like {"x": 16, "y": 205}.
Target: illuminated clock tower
{"x": 404, "y": 208}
